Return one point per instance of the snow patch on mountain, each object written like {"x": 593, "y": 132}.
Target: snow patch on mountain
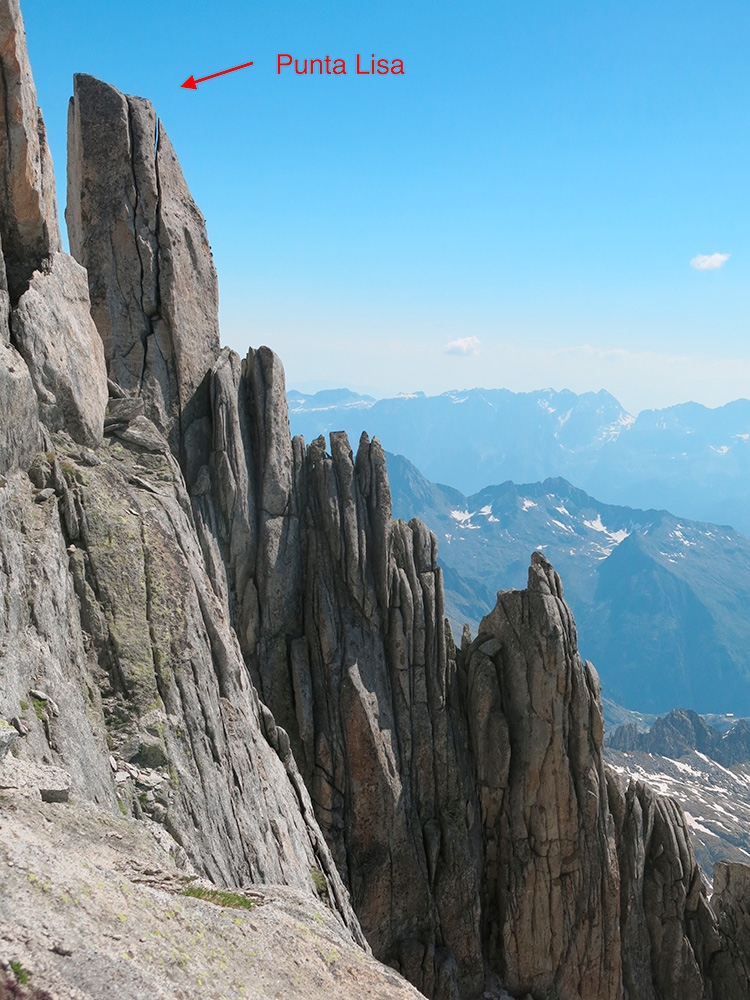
{"x": 615, "y": 537}
{"x": 716, "y": 799}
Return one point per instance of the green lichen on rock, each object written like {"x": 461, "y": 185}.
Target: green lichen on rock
{"x": 115, "y": 552}
{"x": 319, "y": 881}
{"x": 220, "y": 897}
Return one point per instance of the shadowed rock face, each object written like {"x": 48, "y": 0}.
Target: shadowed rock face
{"x": 551, "y": 883}
{"x": 20, "y": 431}
{"x": 136, "y": 229}
{"x": 669, "y": 937}
{"x": 731, "y": 904}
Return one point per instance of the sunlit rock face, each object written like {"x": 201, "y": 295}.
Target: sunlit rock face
{"x": 134, "y": 226}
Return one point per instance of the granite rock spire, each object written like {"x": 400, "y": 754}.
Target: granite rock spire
{"x": 135, "y": 228}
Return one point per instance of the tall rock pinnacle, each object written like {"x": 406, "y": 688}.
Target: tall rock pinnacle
{"x": 551, "y": 880}
{"x": 136, "y": 229}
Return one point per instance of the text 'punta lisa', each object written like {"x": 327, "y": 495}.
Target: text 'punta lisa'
{"x": 337, "y": 67}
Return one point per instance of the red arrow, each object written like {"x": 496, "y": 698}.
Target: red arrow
{"x": 192, "y": 84}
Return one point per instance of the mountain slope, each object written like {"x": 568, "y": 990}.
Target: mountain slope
{"x": 480, "y": 431}
{"x": 661, "y": 602}
{"x": 707, "y": 769}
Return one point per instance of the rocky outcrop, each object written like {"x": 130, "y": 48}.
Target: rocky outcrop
{"x": 143, "y": 665}
{"x": 463, "y": 793}
{"x": 56, "y": 336}
{"x": 136, "y": 229}
{"x": 339, "y": 613}
{"x": 22, "y": 219}
{"x": 668, "y": 932}
{"x": 551, "y": 882}
{"x": 100, "y": 910}
{"x": 731, "y": 903}
{"x": 590, "y": 889}
{"x": 43, "y": 293}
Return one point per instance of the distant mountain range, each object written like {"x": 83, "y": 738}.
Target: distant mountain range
{"x": 681, "y": 731}
{"x": 688, "y": 459}
{"x": 661, "y": 602}
{"x": 705, "y": 769}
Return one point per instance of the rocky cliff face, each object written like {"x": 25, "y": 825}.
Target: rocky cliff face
{"x": 551, "y": 879}
{"x": 43, "y": 293}
{"x": 223, "y": 633}
{"x": 136, "y": 229}
{"x": 28, "y": 216}
{"x": 339, "y": 613}
{"x": 731, "y": 904}
{"x": 107, "y": 606}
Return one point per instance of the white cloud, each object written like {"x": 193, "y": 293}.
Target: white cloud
{"x": 709, "y": 262}
{"x": 464, "y": 345}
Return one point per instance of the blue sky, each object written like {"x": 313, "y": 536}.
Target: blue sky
{"x": 531, "y": 191}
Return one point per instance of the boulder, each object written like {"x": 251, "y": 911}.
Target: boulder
{"x": 54, "y": 332}
{"x": 8, "y": 736}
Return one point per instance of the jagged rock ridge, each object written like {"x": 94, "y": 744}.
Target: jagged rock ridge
{"x": 682, "y": 730}
{"x": 237, "y": 622}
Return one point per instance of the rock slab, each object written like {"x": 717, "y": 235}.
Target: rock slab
{"x": 54, "y": 332}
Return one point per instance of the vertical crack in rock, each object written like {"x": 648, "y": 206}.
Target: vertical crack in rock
{"x": 143, "y": 241}
{"x": 148, "y": 330}
{"x": 28, "y": 204}
{"x": 50, "y": 326}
